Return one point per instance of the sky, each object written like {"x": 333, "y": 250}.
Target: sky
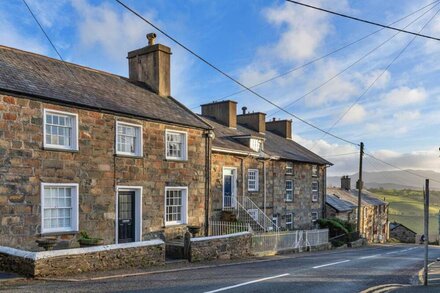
{"x": 388, "y": 82}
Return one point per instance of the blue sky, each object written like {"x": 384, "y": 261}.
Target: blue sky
{"x": 398, "y": 118}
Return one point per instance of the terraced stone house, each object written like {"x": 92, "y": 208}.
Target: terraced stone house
{"x": 86, "y": 150}
{"x": 259, "y": 174}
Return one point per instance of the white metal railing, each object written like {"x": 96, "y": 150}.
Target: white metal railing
{"x": 217, "y": 228}
{"x": 247, "y": 211}
{"x": 278, "y": 241}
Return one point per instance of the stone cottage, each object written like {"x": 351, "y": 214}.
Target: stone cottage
{"x": 86, "y": 150}
{"x": 260, "y": 174}
{"x": 402, "y": 233}
{"x": 374, "y": 212}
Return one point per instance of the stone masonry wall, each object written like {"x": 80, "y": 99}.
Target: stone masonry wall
{"x": 403, "y": 235}
{"x": 233, "y": 246}
{"x": 66, "y": 262}
{"x": 301, "y": 206}
{"x": 375, "y": 223}
{"x": 24, "y": 164}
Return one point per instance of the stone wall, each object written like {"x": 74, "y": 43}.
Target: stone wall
{"x": 375, "y": 227}
{"x": 79, "y": 260}
{"x": 403, "y": 234}
{"x": 302, "y": 205}
{"x": 24, "y": 164}
{"x": 232, "y": 246}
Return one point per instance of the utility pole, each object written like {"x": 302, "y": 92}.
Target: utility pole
{"x": 426, "y": 232}
{"x": 359, "y": 186}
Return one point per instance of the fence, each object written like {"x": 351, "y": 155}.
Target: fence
{"x": 217, "y": 228}
{"x": 279, "y": 241}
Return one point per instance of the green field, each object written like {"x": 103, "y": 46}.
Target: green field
{"x": 406, "y": 207}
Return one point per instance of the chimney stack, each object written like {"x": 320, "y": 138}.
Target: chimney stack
{"x": 151, "y": 65}
{"x": 224, "y": 112}
{"x": 254, "y": 121}
{"x": 346, "y": 182}
{"x": 280, "y": 127}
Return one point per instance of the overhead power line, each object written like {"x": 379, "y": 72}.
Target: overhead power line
{"x": 323, "y": 56}
{"x": 363, "y": 20}
{"x": 230, "y": 77}
{"x": 381, "y": 74}
{"x": 351, "y": 65}
{"x": 50, "y": 41}
{"x": 399, "y": 168}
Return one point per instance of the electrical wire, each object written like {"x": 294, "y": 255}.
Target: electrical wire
{"x": 321, "y": 57}
{"x": 379, "y": 76}
{"x": 230, "y": 77}
{"x": 363, "y": 20}
{"x": 351, "y": 65}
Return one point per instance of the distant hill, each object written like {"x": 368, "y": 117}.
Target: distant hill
{"x": 391, "y": 180}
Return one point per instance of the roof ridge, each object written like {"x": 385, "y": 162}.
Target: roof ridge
{"x": 61, "y": 61}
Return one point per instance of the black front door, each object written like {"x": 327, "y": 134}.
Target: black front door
{"x": 126, "y": 216}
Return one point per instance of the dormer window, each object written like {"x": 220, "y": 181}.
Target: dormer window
{"x": 256, "y": 145}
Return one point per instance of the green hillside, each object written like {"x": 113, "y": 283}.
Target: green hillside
{"x": 406, "y": 207}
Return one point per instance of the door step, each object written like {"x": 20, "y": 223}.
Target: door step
{"x": 170, "y": 261}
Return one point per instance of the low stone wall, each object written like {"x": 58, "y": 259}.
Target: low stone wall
{"x": 78, "y": 260}
{"x": 232, "y": 246}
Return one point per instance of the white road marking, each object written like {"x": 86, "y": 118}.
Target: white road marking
{"x": 370, "y": 256}
{"x": 248, "y": 283}
{"x": 331, "y": 264}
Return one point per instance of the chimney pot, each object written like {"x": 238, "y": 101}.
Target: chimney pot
{"x": 244, "y": 110}
{"x": 151, "y": 37}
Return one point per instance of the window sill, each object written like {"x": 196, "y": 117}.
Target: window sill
{"x": 55, "y": 149}
{"x": 128, "y": 156}
{"x": 174, "y": 225}
{"x": 176, "y": 160}
{"x": 288, "y": 200}
{"x": 44, "y": 234}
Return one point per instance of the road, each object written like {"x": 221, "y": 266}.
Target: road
{"x": 350, "y": 270}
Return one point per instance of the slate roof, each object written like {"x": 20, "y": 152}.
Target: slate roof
{"x": 352, "y": 196}
{"x": 274, "y": 145}
{"x": 338, "y": 204}
{"x": 394, "y": 225}
{"x": 50, "y": 79}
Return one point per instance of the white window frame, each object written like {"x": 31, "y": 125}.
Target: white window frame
{"x": 185, "y": 145}
{"x": 289, "y": 168}
{"x": 184, "y": 211}
{"x": 139, "y": 142}
{"x": 291, "y": 190}
{"x": 315, "y": 192}
{"x": 256, "y": 180}
{"x": 74, "y": 140}
{"x": 316, "y": 217}
{"x": 292, "y": 215}
{"x": 274, "y": 222}
{"x": 74, "y": 220}
{"x": 315, "y": 171}
{"x": 138, "y": 211}
{"x": 256, "y": 144}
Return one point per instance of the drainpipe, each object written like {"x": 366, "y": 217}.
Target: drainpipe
{"x": 209, "y": 135}
{"x": 265, "y": 193}
{"x": 324, "y": 188}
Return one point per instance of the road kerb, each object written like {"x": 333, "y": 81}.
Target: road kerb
{"x": 421, "y": 272}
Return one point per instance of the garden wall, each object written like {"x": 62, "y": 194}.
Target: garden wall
{"x": 78, "y": 260}
{"x": 232, "y": 246}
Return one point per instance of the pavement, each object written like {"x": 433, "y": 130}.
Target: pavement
{"x": 378, "y": 268}
{"x": 433, "y": 280}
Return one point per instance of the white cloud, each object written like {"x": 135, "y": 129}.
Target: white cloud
{"x": 405, "y": 96}
{"x": 356, "y": 114}
{"x": 406, "y": 116}
{"x": 369, "y": 78}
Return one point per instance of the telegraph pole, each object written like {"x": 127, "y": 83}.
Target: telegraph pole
{"x": 359, "y": 186}
{"x": 426, "y": 232}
